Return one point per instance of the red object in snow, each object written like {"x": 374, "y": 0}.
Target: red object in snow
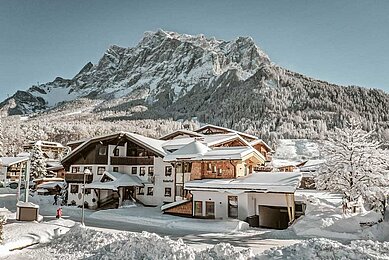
{"x": 59, "y": 213}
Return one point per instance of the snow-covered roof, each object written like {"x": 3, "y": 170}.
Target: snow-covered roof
{"x": 196, "y": 151}
{"x": 173, "y": 204}
{"x": 152, "y": 144}
{"x": 226, "y": 130}
{"x": 193, "y": 150}
{"x": 8, "y": 161}
{"x": 26, "y": 204}
{"x": 51, "y": 185}
{"x": 180, "y": 132}
{"x": 23, "y": 154}
{"x": 208, "y": 140}
{"x": 260, "y": 141}
{"x": 282, "y": 182}
{"x": 44, "y": 143}
{"x": 312, "y": 165}
{"x": 118, "y": 180}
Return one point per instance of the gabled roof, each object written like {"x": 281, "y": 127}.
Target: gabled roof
{"x": 180, "y": 132}
{"x": 9, "y": 161}
{"x": 260, "y": 141}
{"x": 197, "y": 151}
{"x": 118, "y": 180}
{"x": 44, "y": 143}
{"x": 226, "y": 130}
{"x": 192, "y": 150}
{"x": 152, "y": 144}
{"x": 282, "y": 182}
{"x": 208, "y": 140}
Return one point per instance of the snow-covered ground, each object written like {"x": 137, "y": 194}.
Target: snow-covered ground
{"x": 88, "y": 243}
{"x": 110, "y": 235}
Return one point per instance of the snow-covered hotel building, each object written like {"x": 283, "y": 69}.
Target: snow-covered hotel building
{"x": 207, "y": 173}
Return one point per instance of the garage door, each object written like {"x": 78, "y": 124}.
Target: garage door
{"x": 273, "y": 217}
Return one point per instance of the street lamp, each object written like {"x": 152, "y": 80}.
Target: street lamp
{"x": 86, "y": 172}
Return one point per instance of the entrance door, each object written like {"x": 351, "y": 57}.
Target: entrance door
{"x": 233, "y": 206}
{"x": 210, "y": 209}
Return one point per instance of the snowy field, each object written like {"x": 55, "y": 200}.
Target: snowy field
{"x": 146, "y": 233}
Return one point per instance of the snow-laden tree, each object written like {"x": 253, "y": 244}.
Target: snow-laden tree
{"x": 38, "y": 162}
{"x": 355, "y": 165}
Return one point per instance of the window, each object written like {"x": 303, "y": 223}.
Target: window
{"x": 100, "y": 170}
{"x": 198, "y": 208}
{"x": 168, "y": 170}
{"x": 219, "y": 172}
{"x": 180, "y": 190}
{"x": 209, "y": 166}
{"x": 150, "y": 191}
{"x": 210, "y": 209}
{"x": 142, "y": 171}
{"x": 103, "y": 150}
{"x": 115, "y": 169}
{"x": 168, "y": 192}
{"x": 134, "y": 170}
{"x": 75, "y": 169}
{"x": 151, "y": 171}
{"x": 187, "y": 167}
{"x": 213, "y": 168}
{"x": 87, "y": 191}
{"x": 74, "y": 188}
{"x": 88, "y": 167}
{"x": 116, "y": 152}
{"x": 141, "y": 191}
{"x": 232, "y": 206}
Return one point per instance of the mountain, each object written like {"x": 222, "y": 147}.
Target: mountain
{"x": 228, "y": 83}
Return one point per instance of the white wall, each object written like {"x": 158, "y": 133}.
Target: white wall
{"x": 247, "y": 202}
{"x": 160, "y": 181}
{"x": 221, "y": 202}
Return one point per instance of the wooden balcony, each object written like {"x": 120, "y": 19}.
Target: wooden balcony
{"x": 115, "y": 160}
{"x": 78, "y": 177}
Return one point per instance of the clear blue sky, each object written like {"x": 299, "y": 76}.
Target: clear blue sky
{"x": 344, "y": 42}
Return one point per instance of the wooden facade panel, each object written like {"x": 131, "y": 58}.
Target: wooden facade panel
{"x": 213, "y": 170}
{"x": 90, "y": 155}
{"x": 132, "y": 160}
{"x": 78, "y": 177}
{"x": 183, "y": 209}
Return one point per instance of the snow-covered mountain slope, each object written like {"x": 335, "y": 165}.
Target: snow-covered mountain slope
{"x": 162, "y": 64}
{"x": 228, "y": 83}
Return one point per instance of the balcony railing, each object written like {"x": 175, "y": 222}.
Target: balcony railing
{"x": 115, "y": 160}
{"x": 78, "y": 177}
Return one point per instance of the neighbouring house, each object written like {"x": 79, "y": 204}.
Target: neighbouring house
{"x": 55, "y": 169}
{"x": 52, "y": 153}
{"x": 132, "y": 160}
{"x": 51, "y": 150}
{"x": 12, "y": 168}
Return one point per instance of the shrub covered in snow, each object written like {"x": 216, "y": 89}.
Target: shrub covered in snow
{"x": 321, "y": 248}
{"x": 83, "y": 243}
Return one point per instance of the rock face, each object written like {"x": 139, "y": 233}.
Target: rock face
{"x": 230, "y": 83}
